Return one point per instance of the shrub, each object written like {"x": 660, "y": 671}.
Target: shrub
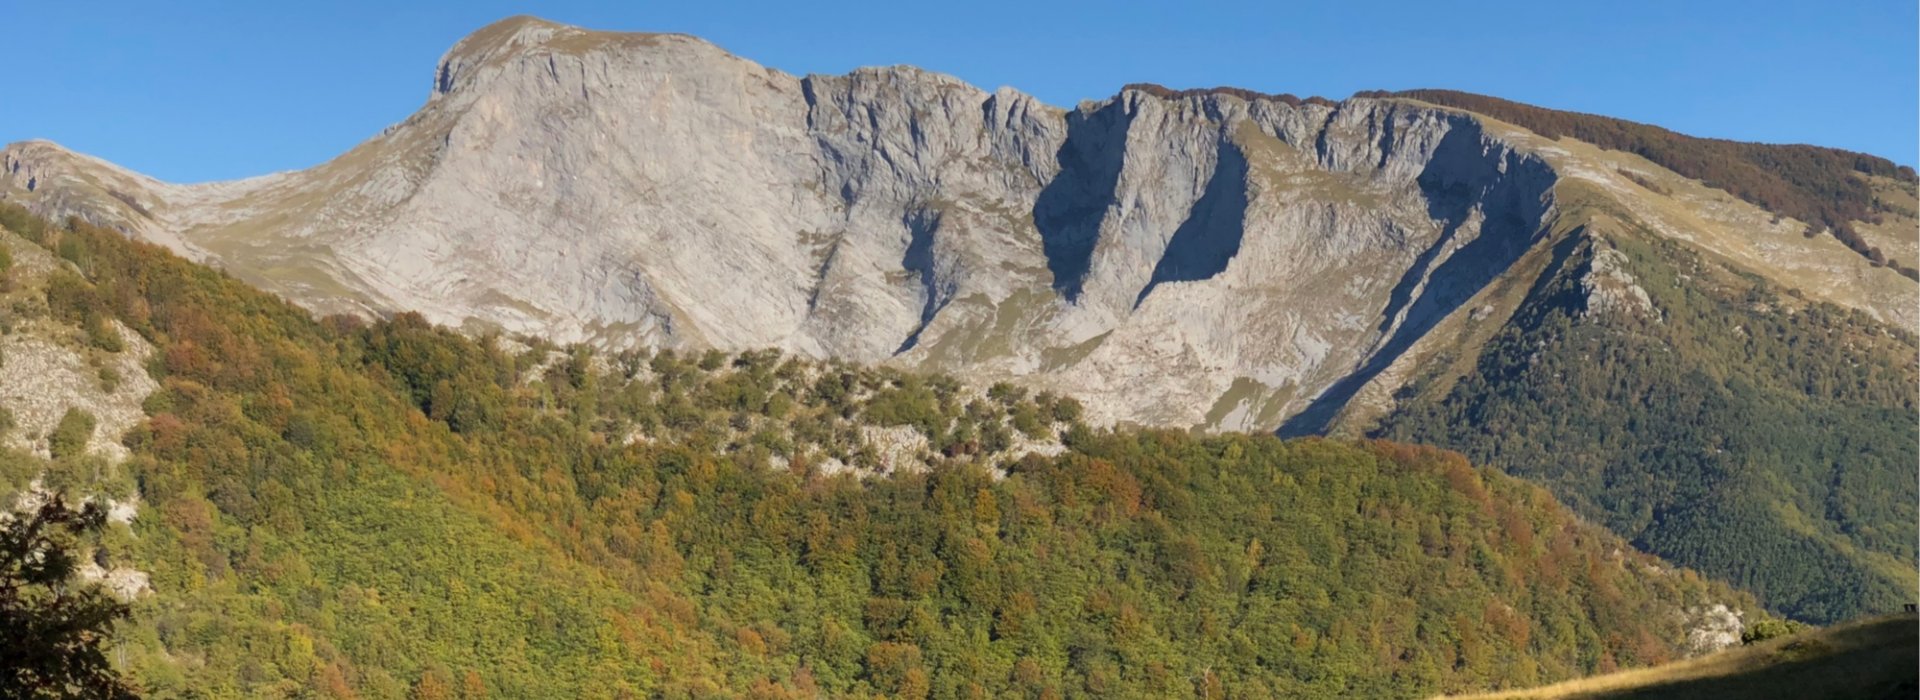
{"x": 1067, "y": 409}
{"x": 70, "y": 437}
{"x": 1770, "y": 628}
{"x": 101, "y": 334}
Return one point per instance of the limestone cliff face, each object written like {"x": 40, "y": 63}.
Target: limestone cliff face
{"x": 1205, "y": 259}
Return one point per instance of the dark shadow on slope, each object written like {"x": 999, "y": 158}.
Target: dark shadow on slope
{"x": 1461, "y": 177}
{"x": 1070, "y": 208}
{"x": 1211, "y": 235}
{"x": 1864, "y": 661}
{"x": 921, "y": 224}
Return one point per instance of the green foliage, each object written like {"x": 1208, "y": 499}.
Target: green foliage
{"x": 109, "y": 379}
{"x": 1167, "y": 93}
{"x": 71, "y": 299}
{"x": 297, "y": 524}
{"x": 1751, "y": 435}
{"x": 55, "y": 631}
{"x": 1770, "y": 628}
{"x": 18, "y": 220}
{"x": 1066, "y": 409}
{"x": 100, "y": 334}
{"x": 341, "y": 509}
{"x": 69, "y": 437}
{"x": 74, "y": 249}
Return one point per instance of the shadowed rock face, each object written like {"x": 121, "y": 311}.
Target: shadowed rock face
{"x": 1469, "y": 181}
{"x": 1196, "y": 259}
{"x": 1069, "y": 210}
{"x": 1211, "y": 235}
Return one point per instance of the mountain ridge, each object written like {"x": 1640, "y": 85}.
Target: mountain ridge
{"x": 1216, "y": 259}
{"x": 911, "y": 311}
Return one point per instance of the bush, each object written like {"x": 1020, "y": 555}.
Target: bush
{"x": 1067, "y": 409}
{"x": 1770, "y": 628}
{"x": 70, "y": 437}
{"x": 102, "y": 335}
{"x": 1006, "y": 394}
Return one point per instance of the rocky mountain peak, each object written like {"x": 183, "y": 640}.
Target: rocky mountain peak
{"x": 482, "y": 54}
{"x": 1217, "y": 257}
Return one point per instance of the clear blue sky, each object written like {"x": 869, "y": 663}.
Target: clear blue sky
{"x": 192, "y": 90}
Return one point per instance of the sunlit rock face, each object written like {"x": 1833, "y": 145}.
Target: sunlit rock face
{"x": 1218, "y": 259}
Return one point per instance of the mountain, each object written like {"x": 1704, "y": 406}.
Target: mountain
{"x": 1212, "y": 258}
{"x": 1704, "y": 414}
{"x": 1867, "y": 660}
{"x": 341, "y": 508}
{"x": 1738, "y": 319}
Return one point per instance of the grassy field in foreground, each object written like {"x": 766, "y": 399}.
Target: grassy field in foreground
{"x": 1865, "y": 660}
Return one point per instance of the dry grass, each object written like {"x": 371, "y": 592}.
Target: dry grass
{"x": 1857, "y": 661}
{"x": 1732, "y": 230}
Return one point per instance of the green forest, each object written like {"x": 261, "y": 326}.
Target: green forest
{"x": 340, "y": 508}
{"x": 1759, "y": 437}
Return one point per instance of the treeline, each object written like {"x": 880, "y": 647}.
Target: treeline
{"x": 339, "y": 508}
{"x": 1821, "y": 186}
{"x": 1167, "y": 93}
{"x": 1759, "y": 437}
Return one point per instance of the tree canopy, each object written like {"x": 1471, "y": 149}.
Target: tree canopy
{"x": 55, "y": 630}
{"x": 341, "y": 508}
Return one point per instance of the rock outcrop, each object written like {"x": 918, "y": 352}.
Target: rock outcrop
{"x": 1210, "y": 258}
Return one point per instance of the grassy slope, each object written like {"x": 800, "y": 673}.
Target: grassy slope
{"x": 1869, "y": 660}
{"x": 1825, "y": 187}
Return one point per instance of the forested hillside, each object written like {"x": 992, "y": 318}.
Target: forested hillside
{"x": 1729, "y": 425}
{"x": 342, "y": 509}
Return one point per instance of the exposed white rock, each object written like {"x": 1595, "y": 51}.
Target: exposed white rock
{"x": 1142, "y": 253}
{"x": 1710, "y": 629}
{"x": 1610, "y": 288}
{"x": 896, "y": 448}
{"x": 41, "y": 378}
{"x": 831, "y": 466}
{"x": 123, "y": 511}
{"x": 123, "y": 582}
{"x": 47, "y": 368}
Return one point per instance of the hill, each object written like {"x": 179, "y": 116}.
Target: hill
{"x": 1703, "y": 413}
{"x": 1427, "y": 266}
{"x": 1866, "y": 660}
{"x": 340, "y": 508}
